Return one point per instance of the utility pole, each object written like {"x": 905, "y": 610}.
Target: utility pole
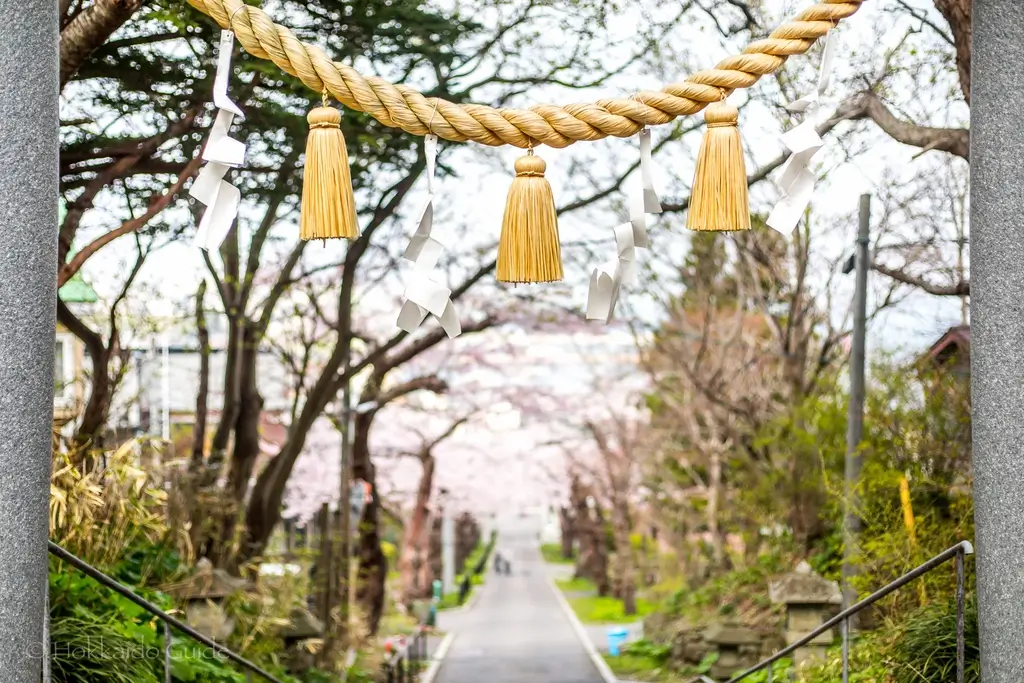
{"x": 347, "y": 592}
{"x": 28, "y": 295}
{"x": 997, "y": 344}
{"x": 855, "y": 417}
{"x": 165, "y": 386}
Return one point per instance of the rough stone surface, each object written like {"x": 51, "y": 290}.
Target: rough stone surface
{"x": 804, "y": 588}
{"x": 997, "y": 345}
{"x": 207, "y": 583}
{"x": 720, "y": 634}
{"x": 516, "y": 631}
{"x": 28, "y": 267}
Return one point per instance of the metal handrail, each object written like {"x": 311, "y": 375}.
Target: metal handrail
{"x": 166, "y": 618}
{"x": 956, "y": 552}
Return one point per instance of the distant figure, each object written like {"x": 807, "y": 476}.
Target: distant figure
{"x": 508, "y": 567}
{"x": 497, "y": 562}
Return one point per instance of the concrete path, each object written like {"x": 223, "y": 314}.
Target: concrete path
{"x": 516, "y": 631}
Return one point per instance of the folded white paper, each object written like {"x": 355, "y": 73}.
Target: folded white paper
{"x": 651, "y": 202}
{"x": 223, "y": 75}
{"x": 796, "y": 180}
{"x": 606, "y": 279}
{"x": 422, "y": 294}
{"x": 222, "y": 152}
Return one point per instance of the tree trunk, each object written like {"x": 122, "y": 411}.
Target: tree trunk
{"x": 592, "y": 561}
{"x": 221, "y": 546}
{"x": 415, "y": 543}
{"x": 625, "y": 569}
{"x": 373, "y": 565}
{"x": 202, "y": 396}
{"x": 958, "y": 14}
{"x": 89, "y": 30}
{"x": 90, "y": 434}
{"x": 714, "y": 494}
{"x": 568, "y": 530}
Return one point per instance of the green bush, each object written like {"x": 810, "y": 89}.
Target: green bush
{"x": 923, "y": 649}
{"x": 920, "y": 649}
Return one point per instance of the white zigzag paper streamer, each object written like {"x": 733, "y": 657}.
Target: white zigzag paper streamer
{"x": 223, "y": 153}
{"x": 606, "y": 280}
{"x": 422, "y": 294}
{"x": 796, "y": 179}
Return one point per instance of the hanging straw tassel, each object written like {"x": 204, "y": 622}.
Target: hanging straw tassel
{"x": 719, "y": 199}
{"x": 328, "y": 205}
{"x": 529, "y": 249}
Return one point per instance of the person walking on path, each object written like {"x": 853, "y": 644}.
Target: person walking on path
{"x": 516, "y": 631}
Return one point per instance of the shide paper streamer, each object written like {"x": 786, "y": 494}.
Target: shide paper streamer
{"x": 422, "y": 294}
{"x": 796, "y": 179}
{"x": 222, "y": 152}
{"x": 607, "y": 279}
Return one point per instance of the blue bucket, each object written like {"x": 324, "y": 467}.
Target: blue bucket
{"x": 616, "y": 639}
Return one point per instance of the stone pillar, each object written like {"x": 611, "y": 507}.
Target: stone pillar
{"x": 28, "y": 272}
{"x": 808, "y": 598}
{"x": 997, "y": 344}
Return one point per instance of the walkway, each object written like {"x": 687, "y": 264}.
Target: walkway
{"x": 516, "y": 631}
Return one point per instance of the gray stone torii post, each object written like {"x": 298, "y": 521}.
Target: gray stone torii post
{"x": 28, "y": 267}
{"x": 997, "y": 319}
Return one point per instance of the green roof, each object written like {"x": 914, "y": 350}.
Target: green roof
{"x": 77, "y": 291}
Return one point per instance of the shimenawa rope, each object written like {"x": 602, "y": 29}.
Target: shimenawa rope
{"x": 400, "y": 106}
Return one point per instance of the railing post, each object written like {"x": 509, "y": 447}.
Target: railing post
{"x": 960, "y": 590}
{"x": 167, "y": 653}
{"x": 28, "y": 294}
{"x": 846, "y": 650}
{"x": 47, "y": 647}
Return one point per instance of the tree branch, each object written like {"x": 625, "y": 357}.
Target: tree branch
{"x": 961, "y": 288}
{"x": 952, "y": 140}
{"x": 89, "y": 30}
{"x": 157, "y": 203}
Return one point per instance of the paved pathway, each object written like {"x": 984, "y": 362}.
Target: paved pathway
{"x": 515, "y": 632}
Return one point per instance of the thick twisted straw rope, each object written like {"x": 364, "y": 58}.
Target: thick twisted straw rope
{"x": 400, "y": 106}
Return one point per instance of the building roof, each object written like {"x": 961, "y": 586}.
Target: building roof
{"x": 77, "y": 291}
{"x": 955, "y": 340}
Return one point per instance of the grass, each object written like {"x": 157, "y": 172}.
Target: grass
{"x": 608, "y": 610}
{"x": 480, "y": 552}
{"x": 552, "y": 552}
{"x": 576, "y": 585}
{"x": 643, "y": 661}
{"x": 639, "y": 668}
{"x": 594, "y": 609}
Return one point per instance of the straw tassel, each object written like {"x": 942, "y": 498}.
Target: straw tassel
{"x": 529, "y": 249}
{"x": 719, "y": 200}
{"x": 328, "y": 204}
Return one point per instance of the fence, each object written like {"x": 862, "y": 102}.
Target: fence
{"x": 956, "y": 554}
{"x": 169, "y": 623}
{"x": 403, "y": 664}
{"x": 406, "y": 659}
